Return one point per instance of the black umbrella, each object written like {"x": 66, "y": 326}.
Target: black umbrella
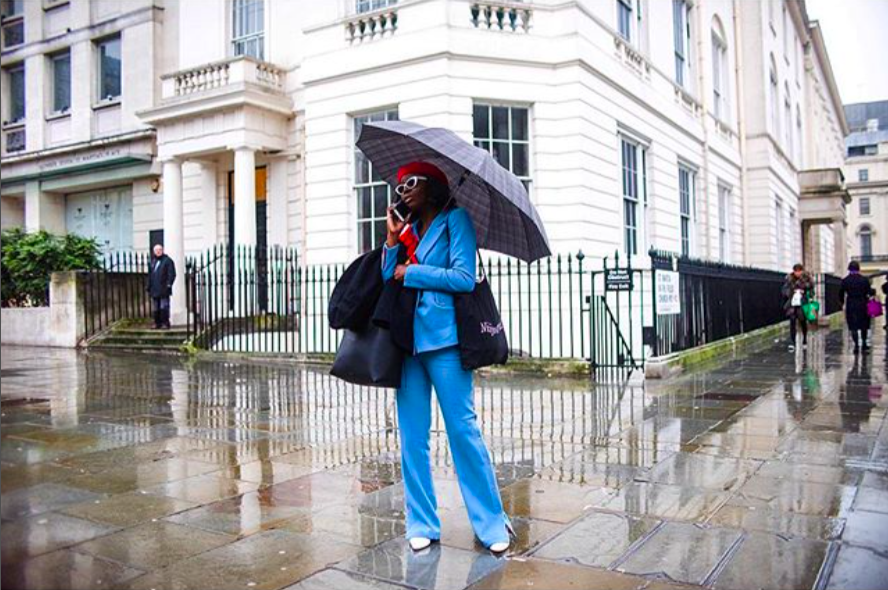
{"x": 504, "y": 218}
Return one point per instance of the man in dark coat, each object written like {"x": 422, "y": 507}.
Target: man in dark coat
{"x": 854, "y": 295}
{"x": 161, "y": 276}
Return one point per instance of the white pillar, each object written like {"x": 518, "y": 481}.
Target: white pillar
{"x": 43, "y": 210}
{"x": 173, "y": 236}
{"x": 840, "y": 244}
{"x": 244, "y": 196}
{"x": 209, "y": 204}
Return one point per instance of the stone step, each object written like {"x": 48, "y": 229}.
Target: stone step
{"x": 150, "y": 335}
{"x": 167, "y": 342}
{"x": 135, "y": 347}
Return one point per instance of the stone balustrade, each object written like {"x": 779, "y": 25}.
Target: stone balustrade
{"x": 229, "y": 72}
{"x": 372, "y": 25}
{"x": 501, "y": 16}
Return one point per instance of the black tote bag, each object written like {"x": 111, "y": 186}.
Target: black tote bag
{"x": 482, "y": 336}
{"x": 368, "y": 357}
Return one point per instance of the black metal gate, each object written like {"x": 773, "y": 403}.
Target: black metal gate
{"x": 616, "y": 315}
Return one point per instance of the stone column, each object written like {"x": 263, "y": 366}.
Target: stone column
{"x": 43, "y": 210}
{"x": 244, "y": 224}
{"x": 173, "y": 237}
{"x": 209, "y": 204}
{"x": 244, "y": 196}
{"x": 840, "y": 245}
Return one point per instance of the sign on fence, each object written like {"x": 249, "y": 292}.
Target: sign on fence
{"x": 668, "y": 299}
{"x": 617, "y": 279}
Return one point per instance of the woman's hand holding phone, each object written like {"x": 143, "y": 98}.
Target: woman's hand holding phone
{"x": 395, "y": 226}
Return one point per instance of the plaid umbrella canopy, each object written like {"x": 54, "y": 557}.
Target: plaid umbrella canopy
{"x": 504, "y": 218}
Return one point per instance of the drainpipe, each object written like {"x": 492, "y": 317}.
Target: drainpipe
{"x": 741, "y": 124}
{"x": 704, "y": 105}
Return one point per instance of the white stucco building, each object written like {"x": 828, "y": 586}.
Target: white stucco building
{"x": 683, "y": 125}
{"x": 866, "y": 170}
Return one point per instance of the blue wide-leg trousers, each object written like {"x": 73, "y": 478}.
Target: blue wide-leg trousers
{"x": 453, "y": 387}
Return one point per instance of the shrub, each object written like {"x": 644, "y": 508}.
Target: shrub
{"x": 28, "y": 259}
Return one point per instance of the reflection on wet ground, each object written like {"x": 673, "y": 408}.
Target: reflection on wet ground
{"x": 139, "y": 471}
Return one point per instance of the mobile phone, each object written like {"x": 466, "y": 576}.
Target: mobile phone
{"x": 401, "y": 210}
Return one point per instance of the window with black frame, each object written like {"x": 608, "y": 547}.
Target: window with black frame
{"x": 373, "y": 194}
{"x": 504, "y": 132}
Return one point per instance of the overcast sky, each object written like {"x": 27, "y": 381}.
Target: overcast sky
{"x": 856, "y": 35}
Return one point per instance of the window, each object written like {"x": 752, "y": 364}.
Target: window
{"x": 778, "y": 233}
{"x": 798, "y": 141}
{"x": 719, "y": 72}
{"x": 863, "y": 150}
{"x": 371, "y": 5}
{"x": 634, "y": 192}
{"x": 775, "y": 122}
{"x": 787, "y": 117}
{"x": 16, "y": 79}
{"x": 373, "y": 194}
{"x": 61, "y": 82}
{"x": 13, "y": 22}
{"x": 686, "y": 208}
{"x": 109, "y": 69}
{"x": 681, "y": 32}
{"x": 866, "y": 241}
{"x": 504, "y": 132}
{"x": 794, "y": 231}
{"x": 864, "y": 205}
{"x": 624, "y": 19}
{"x": 785, "y": 34}
{"x": 863, "y": 176}
{"x": 248, "y": 28}
{"x": 724, "y": 223}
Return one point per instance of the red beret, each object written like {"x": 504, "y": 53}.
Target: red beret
{"x": 422, "y": 169}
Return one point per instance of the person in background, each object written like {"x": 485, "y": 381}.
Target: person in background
{"x": 796, "y": 291}
{"x": 161, "y": 276}
{"x": 853, "y": 295}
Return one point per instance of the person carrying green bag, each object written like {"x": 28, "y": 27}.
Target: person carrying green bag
{"x": 811, "y": 307}
{"x": 796, "y": 293}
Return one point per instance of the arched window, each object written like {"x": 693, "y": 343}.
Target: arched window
{"x": 772, "y": 100}
{"x": 866, "y": 241}
{"x": 720, "y": 105}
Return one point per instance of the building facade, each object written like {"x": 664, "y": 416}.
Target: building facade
{"x": 866, "y": 169}
{"x": 682, "y": 125}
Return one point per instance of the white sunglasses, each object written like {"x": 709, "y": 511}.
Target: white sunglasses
{"x": 408, "y": 185}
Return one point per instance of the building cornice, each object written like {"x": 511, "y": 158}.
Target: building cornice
{"x": 25, "y": 157}
{"x": 826, "y": 67}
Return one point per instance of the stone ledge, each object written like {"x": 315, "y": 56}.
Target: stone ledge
{"x": 669, "y": 365}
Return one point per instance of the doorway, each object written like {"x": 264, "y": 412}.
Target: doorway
{"x": 261, "y": 260}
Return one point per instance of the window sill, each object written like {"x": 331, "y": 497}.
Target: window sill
{"x": 58, "y": 115}
{"x": 106, "y": 104}
{"x": 47, "y": 5}
{"x": 14, "y": 126}
{"x": 12, "y": 19}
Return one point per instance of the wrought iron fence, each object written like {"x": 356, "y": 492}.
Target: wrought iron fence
{"x": 718, "y": 301}
{"x": 116, "y": 291}
{"x": 244, "y": 299}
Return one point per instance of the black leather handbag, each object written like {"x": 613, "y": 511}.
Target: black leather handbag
{"x": 368, "y": 357}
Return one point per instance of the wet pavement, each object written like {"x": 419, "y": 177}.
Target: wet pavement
{"x": 151, "y": 472}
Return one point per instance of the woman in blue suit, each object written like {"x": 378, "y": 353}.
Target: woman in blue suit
{"x": 444, "y": 265}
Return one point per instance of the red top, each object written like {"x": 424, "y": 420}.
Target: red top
{"x": 410, "y": 241}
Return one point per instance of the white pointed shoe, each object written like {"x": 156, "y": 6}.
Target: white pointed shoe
{"x": 499, "y": 547}
{"x": 419, "y": 543}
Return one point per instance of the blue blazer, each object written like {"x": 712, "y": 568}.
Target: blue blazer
{"x": 446, "y": 265}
